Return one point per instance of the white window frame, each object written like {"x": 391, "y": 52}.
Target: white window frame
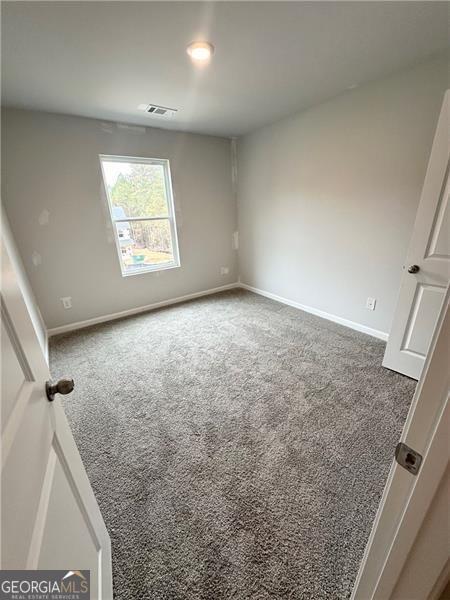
{"x": 175, "y": 263}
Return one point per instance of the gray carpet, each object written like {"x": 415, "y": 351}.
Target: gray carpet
{"x": 237, "y": 447}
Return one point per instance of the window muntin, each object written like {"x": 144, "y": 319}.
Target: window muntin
{"x": 140, "y": 200}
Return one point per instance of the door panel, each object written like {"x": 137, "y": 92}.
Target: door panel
{"x": 64, "y": 540}
{"x": 427, "y": 269}
{"x": 22, "y": 477}
{"x": 11, "y": 384}
{"x": 49, "y": 516}
{"x": 424, "y": 313}
{"x": 440, "y": 235}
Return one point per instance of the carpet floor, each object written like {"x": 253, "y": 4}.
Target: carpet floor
{"x": 237, "y": 447}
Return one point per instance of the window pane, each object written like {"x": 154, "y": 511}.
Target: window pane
{"x": 144, "y": 244}
{"x": 136, "y": 189}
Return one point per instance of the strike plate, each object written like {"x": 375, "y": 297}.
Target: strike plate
{"x": 408, "y": 458}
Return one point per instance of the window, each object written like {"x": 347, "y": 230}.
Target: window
{"x": 139, "y": 193}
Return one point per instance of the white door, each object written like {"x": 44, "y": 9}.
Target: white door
{"x": 407, "y": 497}
{"x": 427, "y": 269}
{"x": 49, "y": 516}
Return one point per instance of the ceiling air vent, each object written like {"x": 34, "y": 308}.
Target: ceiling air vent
{"x": 158, "y": 111}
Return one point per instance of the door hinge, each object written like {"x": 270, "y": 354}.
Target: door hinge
{"x": 408, "y": 458}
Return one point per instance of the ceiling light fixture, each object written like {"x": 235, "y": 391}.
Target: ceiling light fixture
{"x": 200, "y": 52}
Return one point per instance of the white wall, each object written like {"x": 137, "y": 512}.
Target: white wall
{"x": 327, "y": 198}
{"x": 50, "y": 163}
{"x": 24, "y": 284}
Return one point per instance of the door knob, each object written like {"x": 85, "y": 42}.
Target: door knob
{"x": 63, "y": 386}
{"x": 413, "y": 269}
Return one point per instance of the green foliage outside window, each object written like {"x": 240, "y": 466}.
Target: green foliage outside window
{"x": 141, "y": 193}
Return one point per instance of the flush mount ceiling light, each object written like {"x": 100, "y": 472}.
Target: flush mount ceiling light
{"x": 200, "y": 52}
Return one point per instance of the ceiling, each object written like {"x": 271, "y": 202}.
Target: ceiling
{"x": 103, "y": 59}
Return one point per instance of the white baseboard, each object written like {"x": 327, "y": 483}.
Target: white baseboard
{"x": 319, "y": 313}
{"x": 135, "y": 311}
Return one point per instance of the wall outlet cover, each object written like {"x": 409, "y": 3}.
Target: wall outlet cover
{"x": 224, "y": 270}
{"x": 66, "y": 302}
{"x": 371, "y": 303}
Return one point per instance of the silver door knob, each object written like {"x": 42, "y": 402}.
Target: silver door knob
{"x": 63, "y": 386}
{"x": 413, "y": 269}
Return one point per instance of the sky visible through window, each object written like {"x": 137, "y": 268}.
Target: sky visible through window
{"x": 112, "y": 171}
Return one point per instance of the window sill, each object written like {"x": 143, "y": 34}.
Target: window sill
{"x": 152, "y": 269}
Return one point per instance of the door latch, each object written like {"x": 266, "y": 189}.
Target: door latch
{"x": 408, "y": 458}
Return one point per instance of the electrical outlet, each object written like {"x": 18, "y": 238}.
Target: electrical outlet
{"x": 66, "y": 301}
{"x": 370, "y": 303}
{"x": 224, "y": 270}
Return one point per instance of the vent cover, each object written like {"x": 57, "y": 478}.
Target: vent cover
{"x": 158, "y": 111}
